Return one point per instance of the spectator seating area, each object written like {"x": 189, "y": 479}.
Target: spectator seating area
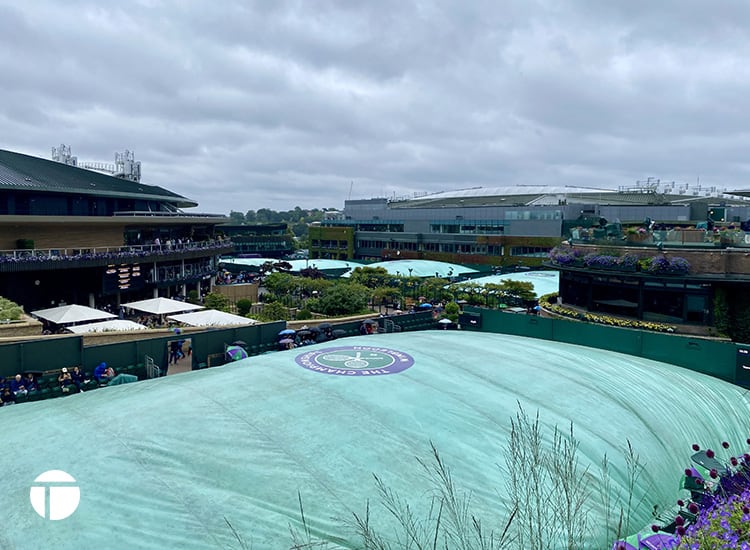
{"x": 48, "y": 385}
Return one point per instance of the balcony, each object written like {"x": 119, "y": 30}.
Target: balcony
{"x": 70, "y": 258}
{"x": 718, "y": 238}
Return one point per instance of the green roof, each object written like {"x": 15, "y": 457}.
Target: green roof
{"x": 26, "y": 173}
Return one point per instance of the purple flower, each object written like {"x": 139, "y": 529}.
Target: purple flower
{"x": 709, "y": 453}
{"x": 725, "y": 444}
{"x": 693, "y": 508}
{"x": 679, "y": 520}
{"x": 680, "y": 503}
{"x": 655, "y": 528}
{"x": 713, "y": 473}
{"x": 696, "y": 447}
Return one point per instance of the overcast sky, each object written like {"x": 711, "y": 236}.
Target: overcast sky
{"x": 245, "y": 104}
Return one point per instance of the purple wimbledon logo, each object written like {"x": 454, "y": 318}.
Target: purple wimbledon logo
{"x": 355, "y": 361}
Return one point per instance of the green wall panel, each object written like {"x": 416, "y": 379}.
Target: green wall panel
{"x": 715, "y": 358}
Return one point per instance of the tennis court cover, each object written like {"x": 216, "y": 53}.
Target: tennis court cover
{"x": 204, "y": 459}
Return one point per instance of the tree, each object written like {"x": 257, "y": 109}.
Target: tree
{"x": 434, "y": 288}
{"x": 451, "y": 311}
{"x": 371, "y": 277}
{"x": 237, "y": 218}
{"x": 216, "y": 300}
{"x": 280, "y": 284}
{"x": 312, "y": 273}
{"x": 518, "y": 292}
{"x": 386, "y": 295}
{"x": 343, "y": 299}
{"x": 273, "y": 311}
{"x": 243, "y": 306}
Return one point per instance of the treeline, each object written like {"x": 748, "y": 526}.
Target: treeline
{"x": 296, "y": 219}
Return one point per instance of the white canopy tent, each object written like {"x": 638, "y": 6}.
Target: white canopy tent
{"x": 72, "y": 313}
{"x": 107, "y": 326}
{"x": 162, "y": 306}
{"x": 211, "y": 317}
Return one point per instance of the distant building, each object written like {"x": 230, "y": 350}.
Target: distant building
{"x": 519, "y": 226}
{"x": 501, "y": 226}
{"x": 267, "y": 240}
{"x": 74, "y": 235}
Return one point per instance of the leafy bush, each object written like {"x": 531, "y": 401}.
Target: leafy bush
{"x": 216, "y": 300}
{"x": 10, "y": 311}
{"x": 273, "y": 311}
{"x": 243, "y": 306}
{"x": 451, "y": 311}
{"x": 192, "y": 297}
{"x": 343, "y": 298}
{"x": 304, "y": 314}
{"x": 566, "y": 257}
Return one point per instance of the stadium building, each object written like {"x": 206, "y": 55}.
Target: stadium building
{"x": 510, "y": 227}
{"x": 70, "y": 234}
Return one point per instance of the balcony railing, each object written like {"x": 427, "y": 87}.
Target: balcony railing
{"x": 149, "y": 213}
{"x": 682, "y": 238}
{"x": 49, "y": 258}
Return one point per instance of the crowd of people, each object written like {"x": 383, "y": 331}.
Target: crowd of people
{"x": 227, "y": 278}
{"x": 69, "y": 380}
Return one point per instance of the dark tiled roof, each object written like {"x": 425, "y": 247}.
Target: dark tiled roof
{"x": 27, "y": 173}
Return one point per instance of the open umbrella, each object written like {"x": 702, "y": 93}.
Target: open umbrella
{"x": 239, "y": 343}
{"x": 287, "y": 331}
{"x": 286, "y": 341}
{"x": 445, "y": 321}
{"x": 324, "y": 326}
{"x": 426, "y": 305}
{"x": 235, "y": 353}
{"x": 338, "y": 333}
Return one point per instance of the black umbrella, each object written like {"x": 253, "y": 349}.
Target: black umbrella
{"x": 303, "y": 332}
{"x": 239, "y": 343}
{"x": 338, "y": 333}
{"x": 324, "y": 326}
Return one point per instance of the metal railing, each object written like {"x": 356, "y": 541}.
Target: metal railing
{"x": 107, "y": 253}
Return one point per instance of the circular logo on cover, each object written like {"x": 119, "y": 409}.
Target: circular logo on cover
{"x": 355, "y": 361}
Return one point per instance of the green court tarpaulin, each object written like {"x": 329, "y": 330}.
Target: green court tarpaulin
{"x": 220, "y": 458}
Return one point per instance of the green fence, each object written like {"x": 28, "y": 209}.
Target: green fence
{"x": 54, "y": 353}
{"x": 715, "y": 358}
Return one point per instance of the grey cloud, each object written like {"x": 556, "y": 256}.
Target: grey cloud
{"x": 244, "y": 105}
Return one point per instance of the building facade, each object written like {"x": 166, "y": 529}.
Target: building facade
{"x": 73, "y": 235}
{"x": 503, "y": 227}
{"x": 267, "y": 240}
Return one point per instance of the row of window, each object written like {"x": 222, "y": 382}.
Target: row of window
{"x": 483, "y": 228}
{"x": 315, "y": 243}
{"x": 530, "y": 251}
{"x": 42, "y": 204}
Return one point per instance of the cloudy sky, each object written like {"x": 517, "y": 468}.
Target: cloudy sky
{"x": 247, "y": 104}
